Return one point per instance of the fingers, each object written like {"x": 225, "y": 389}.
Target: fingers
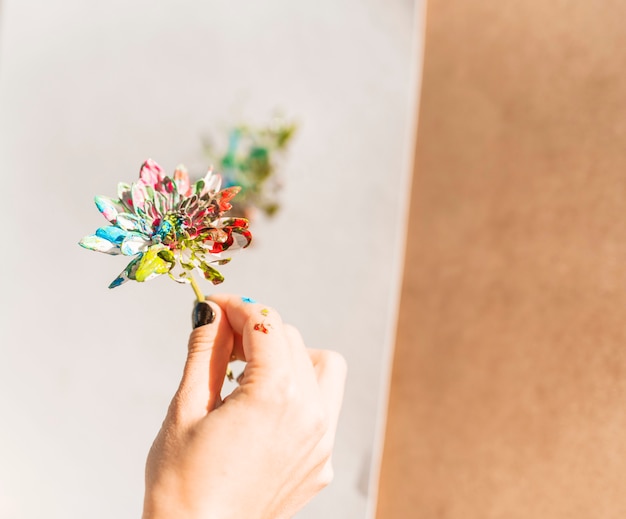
{"x": 330, "y": 369}
{"x": 209, "y": 350}
{"x": 276, "y": 352}
{"x": 262, "y": 333}
{"x": 237, "y": 348}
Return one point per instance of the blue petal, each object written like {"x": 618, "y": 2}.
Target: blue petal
{"x": 108, "y": 207}
{"x": 112, "y": 233}
{"x": 119, "y": 280}
{"x": 128, "y": 273}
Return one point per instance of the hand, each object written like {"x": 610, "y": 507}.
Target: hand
{"x": 264, "y": 451}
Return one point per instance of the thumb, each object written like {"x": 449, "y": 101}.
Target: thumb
{"x": 208, "y": 353}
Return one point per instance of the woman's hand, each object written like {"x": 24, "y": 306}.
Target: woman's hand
{"x": 264, "y": 451}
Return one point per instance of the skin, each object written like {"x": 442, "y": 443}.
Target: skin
{"x": 266, "y": 450}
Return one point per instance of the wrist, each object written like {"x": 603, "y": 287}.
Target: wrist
{"x": 170, "y": 508}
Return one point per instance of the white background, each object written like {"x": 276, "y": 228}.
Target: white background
{"x": 88, "y": 90}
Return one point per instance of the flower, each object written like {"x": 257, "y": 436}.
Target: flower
{"x": 170, "y": 226}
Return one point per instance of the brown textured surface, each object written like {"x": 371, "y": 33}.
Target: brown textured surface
{"x": 508, "y": 393}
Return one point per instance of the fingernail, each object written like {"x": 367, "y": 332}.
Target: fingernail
{"x": 202, "y": 314}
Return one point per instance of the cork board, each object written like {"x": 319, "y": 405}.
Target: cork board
{"x": 508, "y": 396}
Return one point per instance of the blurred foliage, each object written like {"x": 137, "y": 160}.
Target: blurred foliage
{"x": 252, "y": 160}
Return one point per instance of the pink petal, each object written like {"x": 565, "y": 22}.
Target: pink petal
{"x": 182, "y": 180}
{"x": 139, "y": 195}
{"x": 151, "y": 173}
{"x": 108, "y": 207}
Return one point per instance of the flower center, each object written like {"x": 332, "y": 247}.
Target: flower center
{"x": 170, "y": 230}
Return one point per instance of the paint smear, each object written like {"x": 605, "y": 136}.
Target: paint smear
{"x": 260, "y": 327}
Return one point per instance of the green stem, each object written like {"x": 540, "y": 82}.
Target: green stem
{"x": 196, "y": 289}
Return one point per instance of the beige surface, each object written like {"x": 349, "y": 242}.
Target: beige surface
{"x": 509, "y": 384}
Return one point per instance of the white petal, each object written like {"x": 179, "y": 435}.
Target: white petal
{"x": 212, "y": 182}
{"x": 128, "y": 222}
{"x": 98, "y": 244}
{"x": 135, "y": 243}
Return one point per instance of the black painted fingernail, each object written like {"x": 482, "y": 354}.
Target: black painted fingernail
{"x": 202, "y": 314}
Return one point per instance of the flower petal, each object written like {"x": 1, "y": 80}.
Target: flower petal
{"x": 128, "y": 222}
{"x": 151, "y": 213}
{"x": 167, "y": 255}
{"x": 139, "y": 195}
{"x": 134, "y": 243}
{"x": 99, "y": 244}
{"x": 180, "y": 272}
{"x": 243, "y": 238}
{"x": 122, "y": 187}
{"x": 179, "y": 275}
{"x": 210, "y": 273}
{"x": 181, "y": 177}
{"x": 225, "y": 196}
{"x": 108, "y": 207}
{"x": 232, "y": 222}
{"x": 151, "y": 265}
{"x": 198, "y": 187}
{"x": 126, "y": 274}
{"x": 238, "y": 229}
{"x": 210, "y": 184}
{"x": 227, "y": 238}
{"x": 112, "y": 233}
{"x": 161, "y": 204}
{"x": 169, "y": 190}
{"x": 119, "y": 280}
{"x": 131, "y": 222}
{"x": 124, "y": 195}
{"x": 151, "y": 173}
{"x": 207, "y": 257}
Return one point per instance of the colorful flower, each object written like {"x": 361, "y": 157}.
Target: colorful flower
{"x": 170, "y": 226}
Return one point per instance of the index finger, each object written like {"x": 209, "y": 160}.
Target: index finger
{"x": 260, "y": 327}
